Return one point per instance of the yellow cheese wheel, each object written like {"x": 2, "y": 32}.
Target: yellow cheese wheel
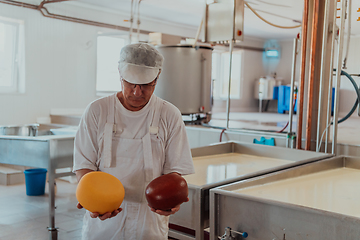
{"x": 100, "y": 192}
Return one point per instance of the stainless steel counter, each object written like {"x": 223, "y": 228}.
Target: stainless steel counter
{"x": 314, "y": 201}
{"x": 45, "y": 150}
{"x": 224, "y": 163}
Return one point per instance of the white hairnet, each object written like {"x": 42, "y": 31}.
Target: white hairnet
{"x": 140, "y": 63}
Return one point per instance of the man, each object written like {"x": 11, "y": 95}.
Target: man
{"x": 135, "y": 136}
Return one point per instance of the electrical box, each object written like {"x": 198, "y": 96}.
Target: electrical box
{"x": 224, "y": 20}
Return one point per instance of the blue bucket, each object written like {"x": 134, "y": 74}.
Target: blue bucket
{"x": 35, "y": 180}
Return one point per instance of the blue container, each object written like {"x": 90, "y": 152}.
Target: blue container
{"x": 35, "y": 180}
{"x": 284, "y": 99}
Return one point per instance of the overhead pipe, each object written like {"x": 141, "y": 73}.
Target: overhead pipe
{"x": 46, "y": 13}
{"x": 20, "y": 4}
{"x": 53, "y": 1}
{"x": 302, "y": 74}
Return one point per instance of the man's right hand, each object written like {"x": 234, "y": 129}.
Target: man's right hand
{"x": 104, "y": 216}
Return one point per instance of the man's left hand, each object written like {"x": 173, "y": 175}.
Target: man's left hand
{"x": 168, "y": 212}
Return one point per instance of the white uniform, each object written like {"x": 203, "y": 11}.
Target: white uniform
{"x": 144, "y": 145}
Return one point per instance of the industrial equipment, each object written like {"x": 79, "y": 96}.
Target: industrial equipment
{"x": 224, "y": 163}
{"x": 264, "y": 88}
{"x": 185, "y": 78}
{"x": 313, "y": 201}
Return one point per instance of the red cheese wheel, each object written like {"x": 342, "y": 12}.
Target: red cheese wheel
{"x": 166, "y": 192}
{"x": 100, "y": 192}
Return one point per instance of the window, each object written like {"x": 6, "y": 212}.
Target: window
{"x": 108, "y": 55}
{"x": 107, "y": 74}
{"x": 12, "y": 56}
{"x": 220, "y": 74}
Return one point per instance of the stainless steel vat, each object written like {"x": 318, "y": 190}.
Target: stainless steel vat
{"x": 43, "y": 150}
{"x": 24, "y": 130}
{"x": 194, "y": 215}
{"x": 235, "y": 206}
{"x": 185, "y": 78}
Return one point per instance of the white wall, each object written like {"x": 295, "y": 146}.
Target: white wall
{"x": 61, "y": 60}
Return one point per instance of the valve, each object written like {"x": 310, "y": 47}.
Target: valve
{"x": 227, "y": 235}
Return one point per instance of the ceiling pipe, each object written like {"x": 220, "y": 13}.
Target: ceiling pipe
{"x": 20, "y": 4}
{"x": 46, "y": 13}
{"x": 302, "y": 74}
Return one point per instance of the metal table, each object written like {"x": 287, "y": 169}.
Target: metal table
{"x": 314, "y": 201}
{"x": 193, "y": 217}
{"x": 45, "y": 151}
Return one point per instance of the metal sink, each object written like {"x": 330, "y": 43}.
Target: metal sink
{"x": 34, "y": 130}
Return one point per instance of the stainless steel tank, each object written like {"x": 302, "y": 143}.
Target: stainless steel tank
{"x": 185, "y": 79}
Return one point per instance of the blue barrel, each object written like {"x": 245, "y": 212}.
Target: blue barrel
{"x": 35, "y": 180}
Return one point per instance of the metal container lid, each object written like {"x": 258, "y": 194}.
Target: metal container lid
{"x": 198, "y": 45}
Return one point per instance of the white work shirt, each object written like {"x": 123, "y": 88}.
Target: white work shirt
{"x": 170, "y": 153}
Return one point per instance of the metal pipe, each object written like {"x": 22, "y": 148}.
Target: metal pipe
{"x": 323, "y": 53}
{"x": 302, "y": 73}
{"x": 244, "y": 47}
{"x": 138, "y": 21}
{"x": 198, "y": 31}
{"x": 67, "y": 18}
{"x": 314, "y": 38}
{"x": 330, "y": 96}
{"x": 338, "y": 75}
{"x": 131, "y": 21}
{"x": 293, "y": 71}
{"x": 229, "y": 87}
{"x": 54, "y": 1}
{"x": 20, "y": 4}
{"x": 348, "y": 35}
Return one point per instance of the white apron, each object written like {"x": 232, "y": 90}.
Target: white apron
{"x": 132, "y": 163}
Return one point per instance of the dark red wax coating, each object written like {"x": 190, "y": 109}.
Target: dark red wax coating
{"x": 166, "y": 192}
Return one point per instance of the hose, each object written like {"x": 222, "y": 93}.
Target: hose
{"x": 209, "y": 126}
{"x": 293, "y": 111}
{"x": 274, "y": 25}
{"x": 357, "y": 90}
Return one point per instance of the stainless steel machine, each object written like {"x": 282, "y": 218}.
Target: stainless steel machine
{"x": 36, "y": 145}
{"x": 314, "y": 201}
{"x": 224, "y": 163}
{"x": 185, "y": 78}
